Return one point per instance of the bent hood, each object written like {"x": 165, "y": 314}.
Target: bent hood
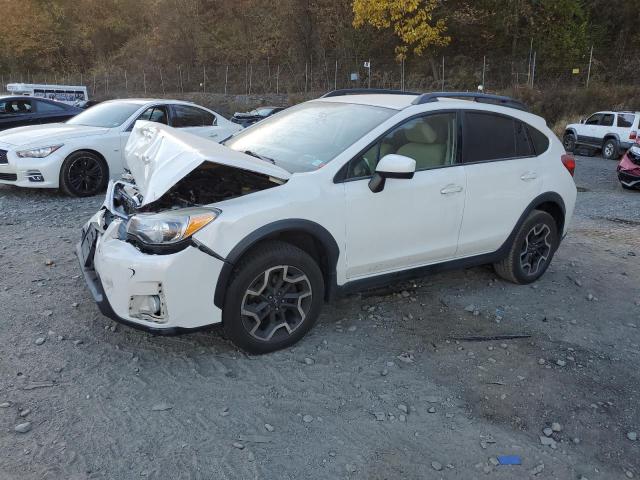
{"x": 159, "y": 156}
{"x": 50, "y": 133}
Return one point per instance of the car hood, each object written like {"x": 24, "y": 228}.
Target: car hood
{"x": 159, "y": 156}
{"x": 51, "y": 133}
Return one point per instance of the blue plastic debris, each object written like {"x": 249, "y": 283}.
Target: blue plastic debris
{"x": 509, "y": 460}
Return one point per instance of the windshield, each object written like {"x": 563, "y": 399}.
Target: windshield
{"x": 306, "y": 137}
{"x": 107, "y": 115}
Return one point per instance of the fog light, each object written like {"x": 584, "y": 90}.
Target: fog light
{"x": 35, "y": 176}
{"x": 148, "y": 307}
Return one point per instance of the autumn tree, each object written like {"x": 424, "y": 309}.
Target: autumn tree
{"x": 411, "y": 21}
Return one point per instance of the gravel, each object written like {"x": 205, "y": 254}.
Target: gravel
{"x": 91, "y": 393}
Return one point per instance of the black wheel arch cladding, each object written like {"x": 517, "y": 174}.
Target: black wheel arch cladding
{"x": 280, "y": 230}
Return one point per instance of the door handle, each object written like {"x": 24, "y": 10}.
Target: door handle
{"x": 528, "y": 176}
{"x": 449, "y": 189}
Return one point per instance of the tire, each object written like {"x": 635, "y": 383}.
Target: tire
{"x": 522, "y": 265}
{"x": 83, "y": 174}
{"x": 610, "y": 149}
{"x": 569, "y": 142}
{"x": 260, "y": 317}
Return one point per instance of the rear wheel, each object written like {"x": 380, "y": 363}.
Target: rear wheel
{"x": 610, "y": 149}
{"x": 274, "y": 298}
{"x": 531, "y": 251}
{"x": 83, "y": 174}
{"x": 569, "y": 142}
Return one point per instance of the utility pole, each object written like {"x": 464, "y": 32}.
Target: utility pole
{"x": 589, "y": 70}
{"x": 442, "y": 73}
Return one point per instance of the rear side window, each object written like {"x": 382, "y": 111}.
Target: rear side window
{"x": 607, "y": 120}
{"x": 187, "y": 116}
{"x": 625, "y": 120}
{"x": 488, "y": 137}
{"x": 539, "y": 139}
{"x": 45, "y": 107}
{"x": 524, "y": 146}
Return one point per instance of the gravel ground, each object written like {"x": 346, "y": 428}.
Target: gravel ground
{"x": 380, "y": 389}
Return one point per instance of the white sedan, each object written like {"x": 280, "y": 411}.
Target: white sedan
{"x": 81, "y": 155}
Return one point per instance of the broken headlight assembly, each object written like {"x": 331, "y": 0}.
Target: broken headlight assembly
{"x": 169, "y": 231}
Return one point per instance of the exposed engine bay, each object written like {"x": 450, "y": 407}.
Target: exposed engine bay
{"x": 207, "y": 184}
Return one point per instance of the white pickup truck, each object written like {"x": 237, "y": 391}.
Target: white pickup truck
{"x": 611, "y": 132}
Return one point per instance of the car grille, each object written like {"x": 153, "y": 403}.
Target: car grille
{"x": 3, "y": 156}
{"x": 12, "y": 177}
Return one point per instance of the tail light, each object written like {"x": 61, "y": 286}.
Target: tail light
{"x": 633, "y": 135}
{"x": 569, "y": 163}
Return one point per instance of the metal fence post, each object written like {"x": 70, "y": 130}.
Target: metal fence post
{"x": 589, "y": 70}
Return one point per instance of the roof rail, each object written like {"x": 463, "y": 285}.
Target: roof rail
{"x": 365, "y": 91}
{"x": 477, "y": 97}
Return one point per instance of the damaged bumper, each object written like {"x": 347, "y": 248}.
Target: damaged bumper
{"x": 164, "y": 294}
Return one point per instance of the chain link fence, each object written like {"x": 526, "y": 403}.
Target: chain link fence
{"x": 463, "y": 73}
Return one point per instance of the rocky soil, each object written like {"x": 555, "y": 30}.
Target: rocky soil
{"x": 391, "y": 384}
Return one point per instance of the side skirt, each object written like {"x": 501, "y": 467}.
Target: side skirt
{"x": 394, "y": 277}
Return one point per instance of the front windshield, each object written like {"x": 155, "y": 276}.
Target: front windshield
{"x": 306, "y": 137}
{"x": 106, "y": 115}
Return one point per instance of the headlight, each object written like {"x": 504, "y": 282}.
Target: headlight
{"x": 168, "y": 228}
{"x": 40, "y": 152}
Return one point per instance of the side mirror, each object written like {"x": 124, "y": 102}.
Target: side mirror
{"x": 582, "y": 120}
{"x": 391, "y": 166}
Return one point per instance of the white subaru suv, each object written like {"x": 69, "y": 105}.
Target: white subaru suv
{"x": 611, "y": 132}
{"x": 339, "y": 194}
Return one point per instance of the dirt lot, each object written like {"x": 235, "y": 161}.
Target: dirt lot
{"x": 378, "y": 390}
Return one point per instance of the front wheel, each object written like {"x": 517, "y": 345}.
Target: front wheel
{"x": 531, "y": 251}
{"x": 83, "y": 174}
{"x": 610, "y": 149}
{"x": 274, "y": 298}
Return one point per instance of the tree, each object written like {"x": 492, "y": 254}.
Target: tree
{"x": 411, "y": 20}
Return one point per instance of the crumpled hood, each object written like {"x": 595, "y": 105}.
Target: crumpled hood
{"x": 159, "y": 156}
{"x": 49, "y": 134}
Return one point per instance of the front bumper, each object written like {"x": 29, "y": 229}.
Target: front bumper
{"x": 185, "y": 281}
{"x": 629, "y": 180}
{"x": 31, "y": 172}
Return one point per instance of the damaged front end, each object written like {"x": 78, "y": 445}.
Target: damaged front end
{"x": 173, "y": 184}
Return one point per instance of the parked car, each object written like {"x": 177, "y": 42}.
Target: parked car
{"x": 629, "y": 168}
{"x": 334, "y": 195}
{"x": 249, "y": 118}
{"x": 611, "y": 132}
{"x": 18, "y": 111}
{"x": 80, "y": 156}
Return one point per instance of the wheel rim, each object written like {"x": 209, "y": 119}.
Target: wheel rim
{"x": 608, "y": 149}
{"x": 536, "y": 249}
{"x": 85, "y": 174}
{"x": 276, "y": 303}
{"x": 568, "y": 142}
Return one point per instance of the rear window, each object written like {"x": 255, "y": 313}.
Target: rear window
{"x": 626, "y": 120}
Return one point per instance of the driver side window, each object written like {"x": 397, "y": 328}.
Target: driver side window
{"x": 430, "y": 140}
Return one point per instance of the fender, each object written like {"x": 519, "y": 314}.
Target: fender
{"x": 281, "y": 226}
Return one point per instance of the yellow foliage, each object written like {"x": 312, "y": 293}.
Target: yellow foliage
{"x": 411, "y": 21}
